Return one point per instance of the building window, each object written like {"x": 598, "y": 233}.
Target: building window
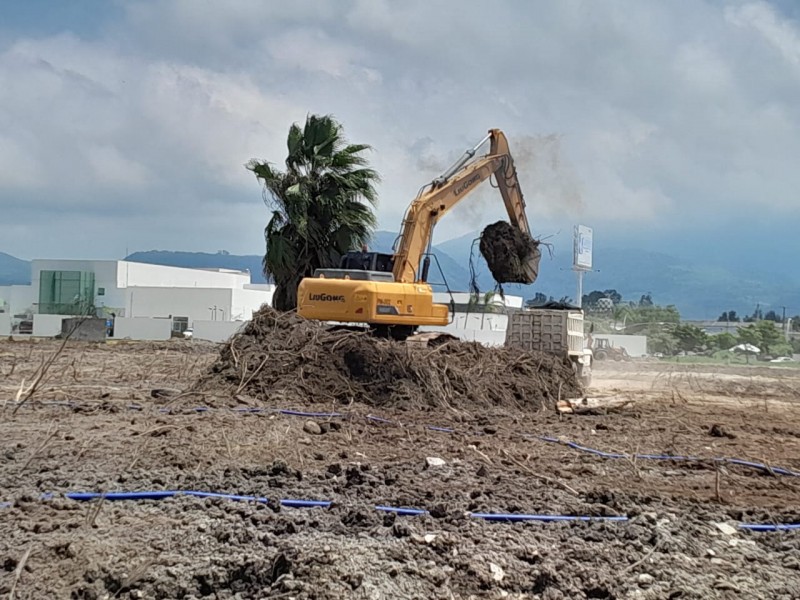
{"x": 101, "y": 291}
{"x": 180, "y": 324}
{"x": 66, "y": 292}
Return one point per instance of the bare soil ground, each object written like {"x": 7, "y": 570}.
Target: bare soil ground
{"x": 93, "y": 423}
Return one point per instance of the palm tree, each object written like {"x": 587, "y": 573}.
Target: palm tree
{"x": 318, "y": 208}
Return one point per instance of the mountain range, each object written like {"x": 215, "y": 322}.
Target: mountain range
{"x": 13, "y": 270}
{"x": 700, "y": 289}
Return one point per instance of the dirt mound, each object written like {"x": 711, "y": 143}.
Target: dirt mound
{"x": 512, "y": 256}
{"x": 279, "y": 357}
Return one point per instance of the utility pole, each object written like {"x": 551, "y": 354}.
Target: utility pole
{"x": 581, "y": 257}
{"x": 579, "y": 299}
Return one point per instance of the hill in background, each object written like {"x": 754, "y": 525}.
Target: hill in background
{"x": 13, "y": 270}
{"x": 699, "y": 290}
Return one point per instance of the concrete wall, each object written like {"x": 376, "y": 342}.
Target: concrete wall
{"x": 5, "y": 324}
{"x": 246, "y": 301}
{"x": 480, "y": 321}
{"x": 18, "y": 298}
{"x": 5, "y": 298}
{"x": 142, "y": 329}
{"x": 145, "y": 275}
{"x": 487, "y": 328}
{"x": 216, "y": 331}
{"x": 194, "y": 303}
{"x": 86, "y": 330}
{"x": 464, "y": 297}
{"x": 484, "y": 336}
{"x": 47, "y": 325}
{"x": 636, "y": 345}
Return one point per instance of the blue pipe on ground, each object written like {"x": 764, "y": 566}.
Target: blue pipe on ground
{"x": 769, "y": 527}
{"x": 733, "y": 461}
{"x": 547, "y": 518}
{"x": 294, "y": 503}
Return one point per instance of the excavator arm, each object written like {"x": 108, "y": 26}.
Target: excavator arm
{"x": 450, "y": 189}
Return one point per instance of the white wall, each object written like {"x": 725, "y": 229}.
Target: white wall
{"x": 464, "y": 298}
{"x": 485, "y": 336}
{"x": 18, "y": 298}
{"x": 142, "y": 329}
{"x": 193, "y": 303}
{"x": 246, "y": 301}
{"x": 480, "y": 321}
{"x": 636, "y": 345}
{"x": 487, "y": 328}
{"x": 216, "y": 331}
{"x": 145, "y": 275}
{"x": 5, "y": 324}
{"x": 5, "y": 297}
{"x": 47, "y": 325}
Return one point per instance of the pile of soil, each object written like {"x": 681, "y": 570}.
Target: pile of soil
{"x": 512, "y": 256}
{"x": 280, "y": 357}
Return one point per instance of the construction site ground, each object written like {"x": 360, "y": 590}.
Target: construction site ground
{"x": 110, "y": 418}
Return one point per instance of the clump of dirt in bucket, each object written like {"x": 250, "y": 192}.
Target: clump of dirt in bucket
{"x": 512, "y": 256}
{"x": 280, "y": 356}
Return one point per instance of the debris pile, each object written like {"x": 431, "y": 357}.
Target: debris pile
{"x": 512, "y": 256}
{"x": 279, "y": 358}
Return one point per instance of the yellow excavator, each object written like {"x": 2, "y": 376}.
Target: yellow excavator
{"x": 390, "y": 293}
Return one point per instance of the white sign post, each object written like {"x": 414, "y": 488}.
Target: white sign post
{"x": 582, "y": 257}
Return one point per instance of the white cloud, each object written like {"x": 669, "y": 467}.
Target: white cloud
{"x": 782, "y": 34}
{"x": 620, "y": 113}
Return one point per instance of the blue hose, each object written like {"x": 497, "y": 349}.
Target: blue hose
{"x": 313, "y": 415}
{"x": 306, "y": 503}
{"x": 546, "y": 518}
{"x": 575, "y": 446}
{"x": 675, "y": 457}
{"x": 768, "y": 527}
{"x": 442, "y": 429}
{"x": 294, "y": 503}
{"x": 402, "y": 511}
{"x": 378, "y": 419}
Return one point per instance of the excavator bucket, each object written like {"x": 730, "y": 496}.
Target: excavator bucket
{"x": 512, "y": 255}
{"x": 429, "y": 339}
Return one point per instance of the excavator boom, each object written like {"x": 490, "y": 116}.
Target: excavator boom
{"x": 450, "y": 189}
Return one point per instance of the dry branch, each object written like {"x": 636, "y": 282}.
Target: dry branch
{"x": 18, "y": 572}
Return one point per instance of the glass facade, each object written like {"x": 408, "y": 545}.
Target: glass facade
{"x": 66, "y": 293}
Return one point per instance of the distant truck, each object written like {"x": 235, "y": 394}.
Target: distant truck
{"x": 554, "y": 330}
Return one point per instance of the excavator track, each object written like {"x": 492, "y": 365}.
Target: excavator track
{"x": 424, "y": 339}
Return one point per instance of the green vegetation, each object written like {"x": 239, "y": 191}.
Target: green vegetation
{"x": 607, "y": 312}
{"x": 317, "y": 203}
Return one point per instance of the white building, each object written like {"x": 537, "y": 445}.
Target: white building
{"x": 131, "y": 293}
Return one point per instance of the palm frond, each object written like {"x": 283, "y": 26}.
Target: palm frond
{"x": 322, "y": 205}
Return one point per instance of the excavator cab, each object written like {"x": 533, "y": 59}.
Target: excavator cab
{"x": 367, "y": 261}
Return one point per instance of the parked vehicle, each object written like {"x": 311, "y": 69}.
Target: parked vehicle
{"x": 554, "y": 330}
{"x": 782, "y": 359}
{"x": 603, "y": 350}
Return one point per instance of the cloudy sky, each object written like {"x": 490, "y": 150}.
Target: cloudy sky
{"x": 125, "y": 125}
